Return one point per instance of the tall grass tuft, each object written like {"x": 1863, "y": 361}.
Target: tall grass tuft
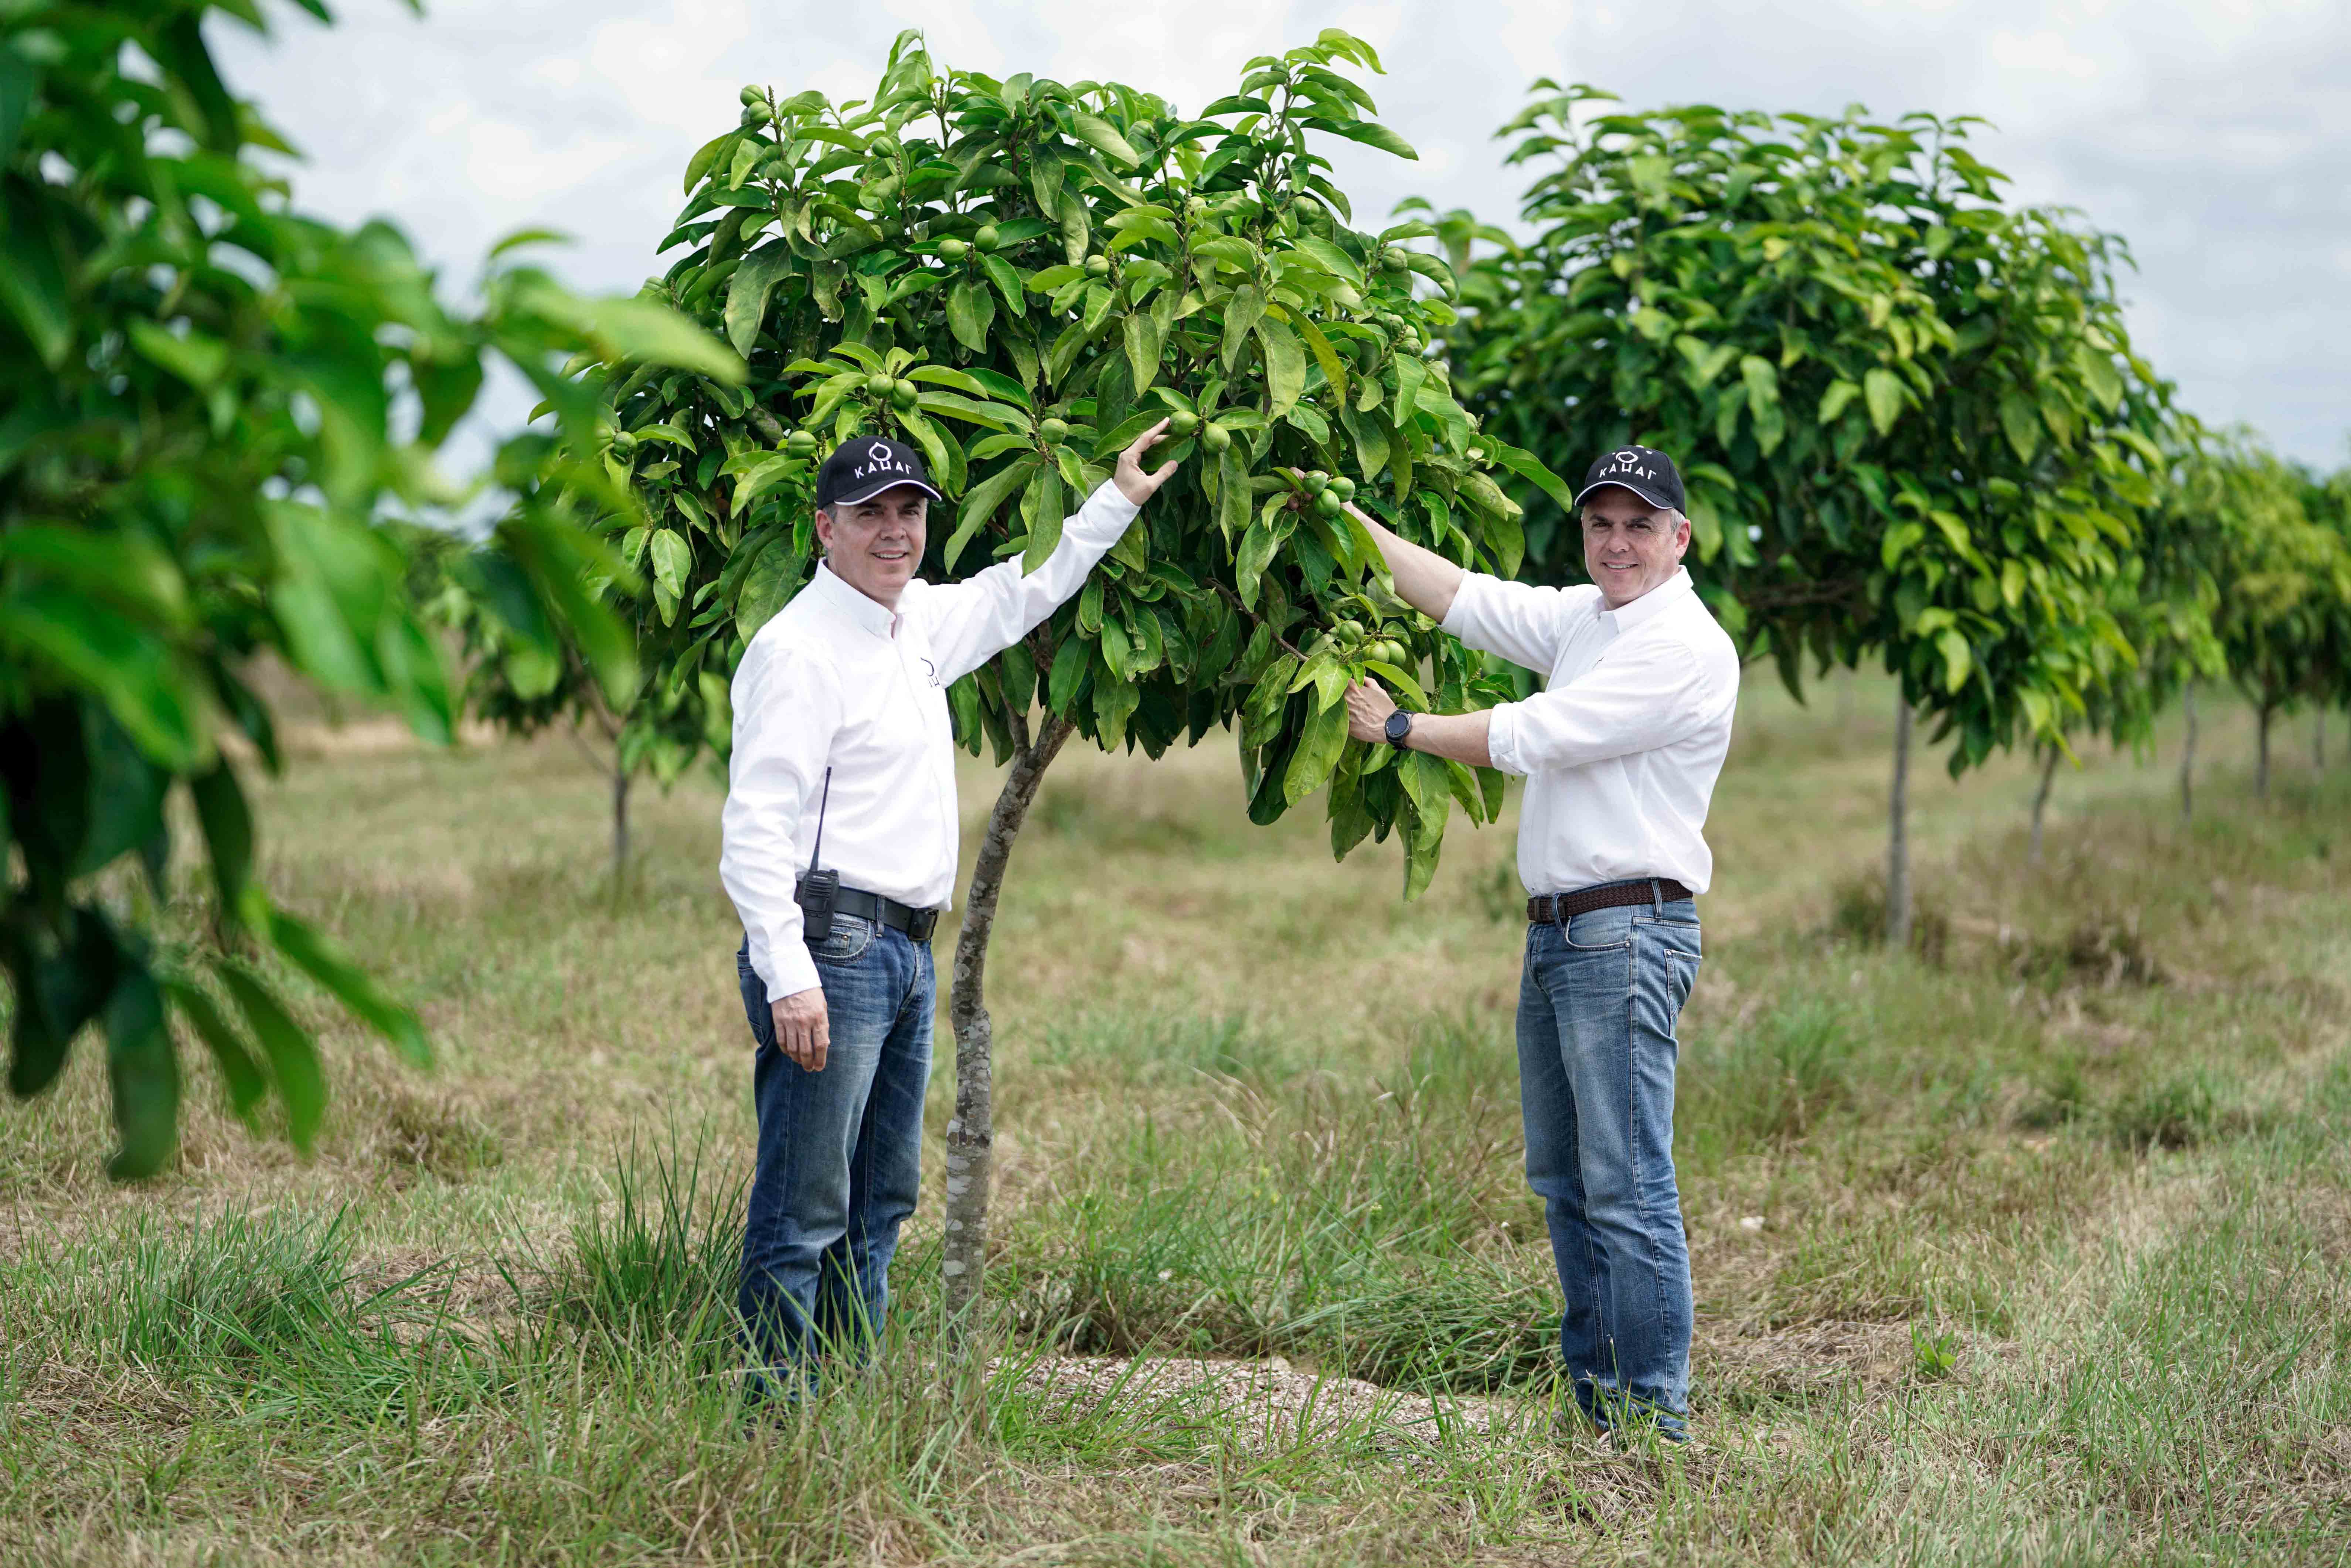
{"x": 658, "y": 1263}
{"x": 1772, "y": 1083}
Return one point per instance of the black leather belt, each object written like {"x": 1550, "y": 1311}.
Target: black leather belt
{"x": 1557, "y": 908}
{"x": 916, "y": 923}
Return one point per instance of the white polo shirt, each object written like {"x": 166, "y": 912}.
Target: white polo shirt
{"x": 1620, "y": 751}
{"x": 835, "y": 680}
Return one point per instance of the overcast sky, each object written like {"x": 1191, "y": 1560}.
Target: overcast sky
{"x": 2214, "y": 134}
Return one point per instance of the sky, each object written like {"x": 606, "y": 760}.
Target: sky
{"x": 2214, "y": 135}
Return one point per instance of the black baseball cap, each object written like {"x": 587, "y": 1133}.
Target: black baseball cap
{"x": 863, "y": 466}
{"x": 1644, "y": 470}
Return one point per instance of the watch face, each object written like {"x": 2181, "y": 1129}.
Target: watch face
{"x": 1399, "y": 725}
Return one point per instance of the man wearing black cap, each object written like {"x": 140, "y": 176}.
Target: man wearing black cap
{"x": 840, "y": 834}
{"x": 1620, "y": 752}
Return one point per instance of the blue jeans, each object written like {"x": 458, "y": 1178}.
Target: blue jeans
{"x": 1596, "y": 1050}
{"x": 840, "y": 1149}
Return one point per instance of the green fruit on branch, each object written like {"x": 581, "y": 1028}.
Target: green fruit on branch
{"x": 986, "y": 238}
{"x": 1055, "y": 431}
{"x": 953, "y": 249}
{"x": 755, "y": 113}
{"x": 1329, "y": 504}
{"x": 902, "y": 395}
{"x": 800, "y": 444}
{"x": 1343, "y": 488}
{"x": 1183, "y": 422}
{"x": 1097, "y": 267}
{"x": 624, "y": 444}
{"x": 1314, "y": 482}
{"x": 879, "y": 385}
{"x": 1393, "y": 260}
{"x": 1216, "y": 437}
{"x": 1351, "y": 632}
{"x": 753, "y": 97}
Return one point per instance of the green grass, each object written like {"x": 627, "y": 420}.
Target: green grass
{"x": 2030, "y": 1245}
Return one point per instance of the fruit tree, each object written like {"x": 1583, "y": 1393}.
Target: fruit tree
{"x": 1911, "y": 418}
{"x": 1018, "y": 277}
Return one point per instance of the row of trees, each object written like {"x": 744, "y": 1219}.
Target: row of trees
{"x": 1913, "y": 425}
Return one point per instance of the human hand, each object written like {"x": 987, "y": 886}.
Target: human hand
{"x": 803, "y": 1028}
{"x": 1133, "y": 483}
{"x": 1368, "y": 706}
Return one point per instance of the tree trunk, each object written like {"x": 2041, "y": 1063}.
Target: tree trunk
{"x": 971, "y": 1135}
{"x": 2261, "y": 762}
{"x": 2187, "y": 755}
{"x": 2040, "y": 801}
{"x": 1897, "y": 842}
{"x": 620, "y": 822}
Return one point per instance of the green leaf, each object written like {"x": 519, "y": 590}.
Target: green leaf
{"x": 1323, "y": 355}
{"x": 1241, "y": 314}
{"x": 1958, "y": 659}
{"x": 1325, "y": 737}
{"x": 639, "y": 329}
{"x": 145, "y": 1076}
{"x": 123, "y": 665}
{"x": 1069, "y": 664}
{"x": 2020, "y": 421}
{"x": 194, "y": 358}
{"x": 1100, "y": 134}
{"x": 970, "y": 312}
{"x": 748, "y": 292}
{"x": 293, "y": 1054}
{"x": 247, "y": 1085}
{"x": 228, "y": 832}
{"x": 324, "y": 960}
{"x": 1529, "y": 467}
{"x": 1285, "y": 365}
{"x": 1041, "y": 508}
{"x": 1144, "y": 340}
{"x": 1008, "y": 283}
{"x": 1371, "y": 134}
{"x": 673, "y": 560}
{"x": 1833, "y": 401}
{"x": 1883, "y": 391}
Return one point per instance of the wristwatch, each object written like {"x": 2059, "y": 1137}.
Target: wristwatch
{"x": 1399, "y": 725}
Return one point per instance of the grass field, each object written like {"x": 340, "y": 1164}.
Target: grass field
{"x": 2033, "y": 1245}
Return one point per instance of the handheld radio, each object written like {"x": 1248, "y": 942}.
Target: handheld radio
{"x": 816, "y": 891}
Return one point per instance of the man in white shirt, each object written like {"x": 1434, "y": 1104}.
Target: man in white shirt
{"x": 1620, "y": 752}
{"x": 841, "y": 735}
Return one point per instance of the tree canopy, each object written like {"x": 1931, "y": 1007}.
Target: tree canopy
{"x": 208, "y": 402}
{"x": 1020, "y": 276}
{"x": 1910, "y": 416}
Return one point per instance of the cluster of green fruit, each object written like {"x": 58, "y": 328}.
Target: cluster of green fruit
{"x": 1355, "y": 644}
{"x": 897, "y": 392}
{"x": 1326, "y": 495}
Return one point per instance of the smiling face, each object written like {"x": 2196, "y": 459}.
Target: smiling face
{"x": 875, "y": 546}
{"x": 1629, "y": 546}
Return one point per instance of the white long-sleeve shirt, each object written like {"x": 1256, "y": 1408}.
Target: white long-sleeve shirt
{"x": 1620, "y": 751}
{"x": 835, "y": 680}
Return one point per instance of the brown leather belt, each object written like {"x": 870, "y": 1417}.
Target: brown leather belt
{"x": 1557, "y": 908}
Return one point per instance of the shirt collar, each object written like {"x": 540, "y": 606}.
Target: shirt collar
{"x": 862, "y": 611}
{"x": 1651, "y": 604}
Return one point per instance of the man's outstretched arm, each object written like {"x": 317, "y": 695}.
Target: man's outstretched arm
{"x": 1424, "y": 579}
{"x": 971, "y": 622}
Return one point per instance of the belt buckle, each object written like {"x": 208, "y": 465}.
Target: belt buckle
{"x": 920, "y": 924}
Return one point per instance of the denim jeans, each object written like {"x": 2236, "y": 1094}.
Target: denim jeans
{"x": 1597, "y": 1052}
{"x": 839, "y": 1159}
